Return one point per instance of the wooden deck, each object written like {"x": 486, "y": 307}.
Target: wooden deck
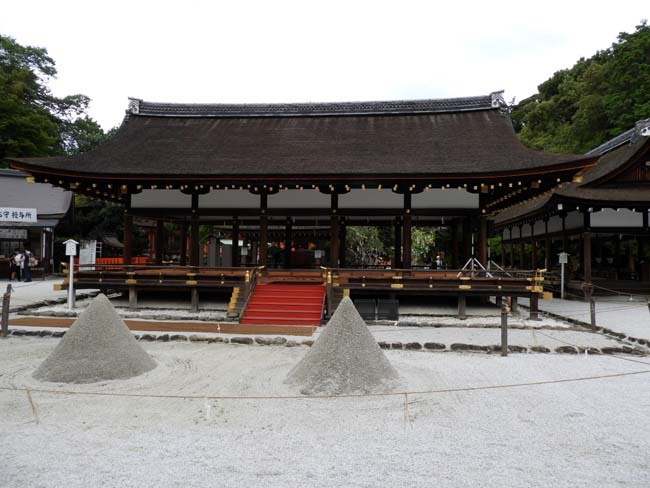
{"x": 340, "y": 282}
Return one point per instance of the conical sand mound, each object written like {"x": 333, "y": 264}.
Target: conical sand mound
{"x": 99, "y": 346}
{"x": 344, "y": 359}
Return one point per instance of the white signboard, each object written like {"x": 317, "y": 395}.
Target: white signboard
{"x": 564, "y": 258}
{"x": 87, "y": 254}
{"x": 16, "y": 234}
{"x": 12, "y": 214}
{"x": 71, "y": 247}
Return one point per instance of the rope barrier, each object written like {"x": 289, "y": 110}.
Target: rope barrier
{"x": 326, "y": 397}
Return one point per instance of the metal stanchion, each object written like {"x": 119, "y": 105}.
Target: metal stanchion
{"x": 504, "y": 329}
{"x": 4, "y": 331}
{"x": 592, "y": 312}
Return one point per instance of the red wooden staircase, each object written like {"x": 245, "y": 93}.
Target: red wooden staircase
{"x": 285, "y": 305}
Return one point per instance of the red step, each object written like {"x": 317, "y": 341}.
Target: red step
{"x": 285, "y": 305}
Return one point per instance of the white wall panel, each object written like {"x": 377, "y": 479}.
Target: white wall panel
{"x": 608, "y": 217}
{"x": 161, "y": 199}
{"x": 451, "y": 198}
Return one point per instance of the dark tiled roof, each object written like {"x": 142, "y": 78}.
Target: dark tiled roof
{"x": 141, "y": 107}
{"x": 586, "y": 191}
{"x": 631, "y": 135}
{"x": 402, "y": 143}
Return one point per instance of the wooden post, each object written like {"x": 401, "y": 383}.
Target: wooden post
{"x": 504, "y": 330}
{"x": 264, "y": 230}
{"x": 547, "y": 246}
{"x": 564, "y": 240}
{"x": 334, "y": 231}
{"x": 398, "y": 243}
{"x": 522, "y": 254}
{"x": 483, "y": 239}
{"x": 194, "y": 231}
{"x": 4, "y": 326}
{"x": 592, "y": 311}
{"x": 533, "y": 254}
{"x": 342, "y": 243}
{"x": 512, "y": 252}
{"x": 235, "y": 243}
{"x": 183, "y": 249}
{"x": 133, "y": 297}
{"x": 406, "y": 232}
{"x": 467, "y": 239}
{"x": 288, "y": 238}
{"x": 462, "y": 306}
{"x": 456, "y": 241}
{"x": 160, "y": 235}
{"x": 194, "y": 299}
{"x": 586, "y": 248}
{"x": 534, "y": 307}
{"x": 128, "y": 231}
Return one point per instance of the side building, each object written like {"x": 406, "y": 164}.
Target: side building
{"x": 28, "y": 215}
{"x": 600, "y": 220}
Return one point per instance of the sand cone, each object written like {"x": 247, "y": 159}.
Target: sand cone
{"x": 344, "y": 359}
{"x": 98, "y": 346}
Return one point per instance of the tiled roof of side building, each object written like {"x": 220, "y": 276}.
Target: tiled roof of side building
{"x": 588, "y": 189}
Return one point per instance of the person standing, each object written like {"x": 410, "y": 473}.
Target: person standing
{"x": 13, "y": 268}
{"x": 27, "y": 272}
{"x": 19, "y": 259}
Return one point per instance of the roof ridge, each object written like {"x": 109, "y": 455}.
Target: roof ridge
{"x": 640, "y": 129}
{"x": 458, "y": 104}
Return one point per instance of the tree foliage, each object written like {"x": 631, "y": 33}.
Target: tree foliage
{"x": 598, "y": 98}
{"x": 34, "y": 122}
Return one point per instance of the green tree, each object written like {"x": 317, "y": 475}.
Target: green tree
{"x": 34, "y": 122}
{"x": 598, "y": 98}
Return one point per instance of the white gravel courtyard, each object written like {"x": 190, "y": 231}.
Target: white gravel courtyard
{"x": 173, "y": 426}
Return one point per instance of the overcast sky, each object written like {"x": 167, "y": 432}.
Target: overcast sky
{"x": 285, "y": 51}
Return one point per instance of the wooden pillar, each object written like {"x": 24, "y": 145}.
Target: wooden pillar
{"x": 160, "y": 236}
{"x": 467, "y": 239}
{"x": 342, "y": 243}
{"x": 564, "y": 240}
{"x": 512, "y": 251}
{"x": 234, "y": 235}
{"x": 533, "y": 254}
{"x": 183, "y": 249}
{"x": 264, "y": 230}
{"x": 334, "y": 231}
{"x": 547, "y": 246}
{"x": 397, "y": 262}
{"x": 586, "y": 255}
{"x": 288, "y": 238}
{"x": 462, "y": 306}
{"x": 522, "y": 248}
{"x": 194, "y": 231}
{"x": 455, "y": 245}
{"x": 406, "y": 232}
{"x": 128, "y": 230}
{"x": 503, "y": 250}
{"x": 482, "y": 239}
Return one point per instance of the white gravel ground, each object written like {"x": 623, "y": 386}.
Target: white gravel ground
{"x": 583, "y": 433}
{"x": 619, "y": 314}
